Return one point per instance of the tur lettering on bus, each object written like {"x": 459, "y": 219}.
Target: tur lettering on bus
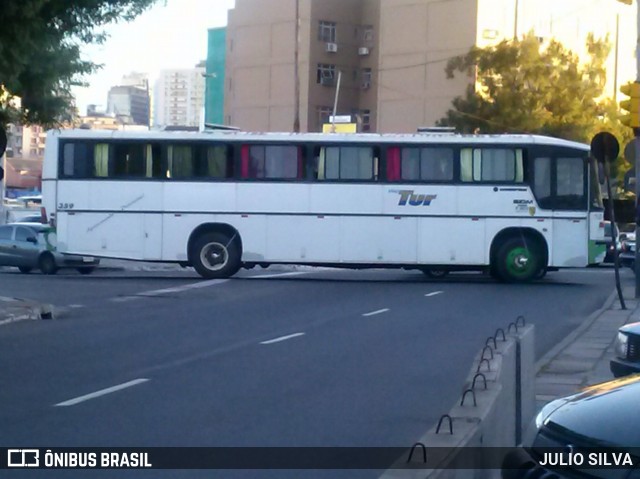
{"x": 408, "y": 196}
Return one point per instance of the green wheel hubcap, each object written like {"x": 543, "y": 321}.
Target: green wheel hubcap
{"x": 520, "y": 262}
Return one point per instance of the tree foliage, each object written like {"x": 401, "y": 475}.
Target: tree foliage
{"x": 40, "y": 60}
{"x": 523, "y": 87}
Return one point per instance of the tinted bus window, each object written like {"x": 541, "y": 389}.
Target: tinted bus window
{"x": 346, "y": 163}
{"x": 491, "y": 165}
{"x": 270, "y": 162}
{"x": 427, "y": 164}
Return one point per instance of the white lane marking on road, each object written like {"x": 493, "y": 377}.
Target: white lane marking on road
{"x": 435, "y": 293}
{"x": 379, "y": 311}
{"x": 102, "y": 392}
{"x": 282, "y": 338}
{"x": 123, "y": 299}
{"x": 278, "y": 275}
{"x": 75, "y": 306}
{"x": 179, "y": 289}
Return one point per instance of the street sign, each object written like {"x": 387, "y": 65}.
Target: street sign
{"x": 605, "y": 146}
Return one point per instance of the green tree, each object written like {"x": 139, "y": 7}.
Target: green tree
{"x": 523, "y": 87}
{"x": 40, "y": 58}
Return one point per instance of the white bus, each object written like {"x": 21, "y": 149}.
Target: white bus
{"x": 515, "y": 206}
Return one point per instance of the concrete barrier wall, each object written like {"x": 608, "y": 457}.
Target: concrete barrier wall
{"x": 502, "y": 412}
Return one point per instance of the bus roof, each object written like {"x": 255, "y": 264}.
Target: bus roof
{"x": 241, "y": 136}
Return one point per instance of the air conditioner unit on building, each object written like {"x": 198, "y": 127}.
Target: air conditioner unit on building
{"x": 332, "y": 47}
{"x": 366, "y": 85}
{"x": 363, "y": 51}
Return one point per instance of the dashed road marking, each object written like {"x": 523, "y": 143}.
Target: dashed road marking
{"x": 435, "y": 293}
{"x": 379, "y": 311}
{"x": 282, "y": 338}
{"x": 75, "y": 306}
{"x": 102, "y": 392}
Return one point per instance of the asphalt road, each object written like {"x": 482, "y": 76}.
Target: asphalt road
{"x": 282, "y": 358}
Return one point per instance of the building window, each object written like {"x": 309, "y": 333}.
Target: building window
{"x": 326, "y": 74}
{"x": 327, "y": 31}
{"x": 367, "y": 75}
{"x": 367, "y": 34}
{"x": 365, "y": 118}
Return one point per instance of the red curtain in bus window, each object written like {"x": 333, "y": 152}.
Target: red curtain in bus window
{"x": 244, "y": 161}
{"x": 393, "y": 164}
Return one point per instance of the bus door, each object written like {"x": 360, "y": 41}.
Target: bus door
{"x": 561, "y": 187}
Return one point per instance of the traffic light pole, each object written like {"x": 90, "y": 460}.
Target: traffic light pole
{"x": 637, "y": 162}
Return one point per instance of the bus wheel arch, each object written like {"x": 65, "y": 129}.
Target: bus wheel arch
{"x": 215, "y": 250}
{"x": 519, "y": 255}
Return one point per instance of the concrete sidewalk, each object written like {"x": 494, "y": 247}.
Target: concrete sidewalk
{"x": 582, "y": 358}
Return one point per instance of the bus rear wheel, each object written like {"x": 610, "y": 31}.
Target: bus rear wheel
{"x": 216, "y": 255}
{"x": 518, "y": 260}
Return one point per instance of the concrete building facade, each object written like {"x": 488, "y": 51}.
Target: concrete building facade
{"x": 179, "y": 97}
{"x": 391, "y": 55}
{"x": 129, "y": 104}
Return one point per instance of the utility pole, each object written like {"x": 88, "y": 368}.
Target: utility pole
{"x": 515, "y": 21}
{"x": 335, "y": 103}
{"x": 296, "y": 71}
{"x": 633, "y": 121}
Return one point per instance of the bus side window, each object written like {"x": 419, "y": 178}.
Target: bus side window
{"x": 216, "y": 162}
{"x": 492, "y": 165}
{"x": 153, "y": 161}
{"x": 129, "y": 160}
{"x": 180, "y": 164}
{"x": 273, "y": 162}
{"x": 76, "y": 160}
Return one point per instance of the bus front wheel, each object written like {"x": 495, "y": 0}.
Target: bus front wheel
{"x": 216, "y": 255}
{"x": 518, "y": 260}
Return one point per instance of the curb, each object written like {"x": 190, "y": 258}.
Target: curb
{"x": 16, "y": 309}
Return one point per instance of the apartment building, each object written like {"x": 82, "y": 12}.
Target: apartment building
{"x": 390, "y": 55}
{"x": 179, "y": 97}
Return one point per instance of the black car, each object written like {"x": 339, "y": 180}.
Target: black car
{"x": 601, "y": 419}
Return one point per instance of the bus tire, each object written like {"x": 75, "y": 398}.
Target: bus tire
{"x": 518, "y": 260}
{"x": 47, "y": 264}
{"x": 216, "y": 255}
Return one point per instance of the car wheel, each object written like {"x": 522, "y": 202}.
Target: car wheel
{"x": 47, "y": 264}
{"x": 25, "y": 269}
{"x": 86, "y": 269}
{"x": 518, "y": 260}
{"x": 216, "y": 255}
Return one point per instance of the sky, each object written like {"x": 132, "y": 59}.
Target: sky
{"x": 172, "y": 34}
